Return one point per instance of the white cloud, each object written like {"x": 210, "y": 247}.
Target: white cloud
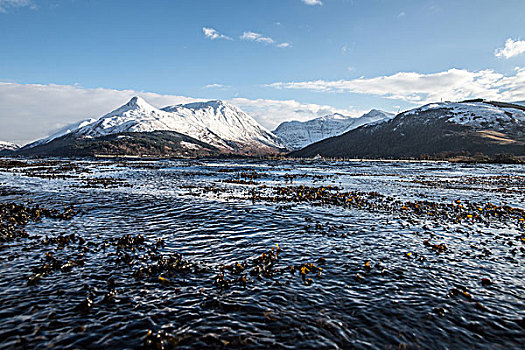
{"x": 216, "y": 86}
{"x": 312, "y": 2}
{"x": 259, "y": 38}
{"x": 5, "y": 4}
{"x": 512, "y": 48}
{"x": 401, "y": 14}
{"x": 213, "y": 34}
{"x": 270, "y": 113}
{"x": 251, "y": 36}
{"x": 32, "y": 111}
{"x": 453, "y": 84}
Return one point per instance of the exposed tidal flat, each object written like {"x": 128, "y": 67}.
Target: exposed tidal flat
{"x": 261, "y": 254}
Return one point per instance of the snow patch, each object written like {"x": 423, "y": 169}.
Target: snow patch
{"x": 189, "y": 145}
{"x": 4, "y": 145}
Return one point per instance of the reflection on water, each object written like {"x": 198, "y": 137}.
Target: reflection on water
{"x": 184, "y": 254}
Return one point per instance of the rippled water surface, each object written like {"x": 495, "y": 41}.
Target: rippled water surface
{"x": 265, "y": 254}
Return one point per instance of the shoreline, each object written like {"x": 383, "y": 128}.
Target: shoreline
{"x": 464, "y": 160}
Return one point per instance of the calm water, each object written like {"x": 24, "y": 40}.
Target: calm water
{"x": 391, "y": 277}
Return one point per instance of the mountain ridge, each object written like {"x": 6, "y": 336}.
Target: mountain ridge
{"x": 215, "y": 123}
{"x": 467, "y": 127}
{"x": 296, "y": 135}
{"x": 8, "y": 146}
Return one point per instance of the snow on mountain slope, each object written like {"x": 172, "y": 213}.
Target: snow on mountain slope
{"x": 8, "y": 146}
{"x": 296, "y": 135}
{"x": 227, "y": 122}
{"x": 475, "y": 114}
{"x": 214, "y": 122}
{"x": 61, "y": 132}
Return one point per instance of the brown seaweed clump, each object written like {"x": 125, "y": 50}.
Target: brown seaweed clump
{"x": 14, "y": 217}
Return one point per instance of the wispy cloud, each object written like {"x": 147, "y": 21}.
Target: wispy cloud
{"x": 312, "y": 2}
{"x": 284, "y": 45}
{"x": 6, "y": 4}
{"x": 32, "y": 111}
{"x": 251, "y": 36}
{"x": 213, "y": 34}
{"x": 216, "y": 86}
{"x": 453, "y": 84}
{"x": 512, "y": 48}
{"x": 259, "y": 38}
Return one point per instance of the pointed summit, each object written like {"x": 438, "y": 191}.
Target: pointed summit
{"x": 137, "y": 101}
{"x": 135, "y": 105}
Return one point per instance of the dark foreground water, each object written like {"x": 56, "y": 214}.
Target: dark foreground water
{"x": 265, "y": 254}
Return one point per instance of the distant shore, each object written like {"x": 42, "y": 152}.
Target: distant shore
{"x": 497, "y": 159}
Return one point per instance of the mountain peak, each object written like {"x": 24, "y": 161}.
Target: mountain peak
{"x": 377, "y": 113}
{"x": 136, "y": 105}
{"x": 338, "y": 116}
{"x": 212, "y": 103}
{"x": 297, "y": 134}
{"x": 137, "y": 101}
{"x": 215, "y": 103}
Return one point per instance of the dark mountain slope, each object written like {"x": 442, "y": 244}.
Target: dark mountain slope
{"x": 156, "y": 143}
{"x": 464, "y": 128}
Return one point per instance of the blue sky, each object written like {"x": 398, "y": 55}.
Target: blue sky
{"x": 348, "y": 55}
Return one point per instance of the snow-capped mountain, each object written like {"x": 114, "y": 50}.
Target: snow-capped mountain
{"x": 464, "y": 128}
{"x": 8, "y": 146}
{"x": 222, "y": 125}
{"x": 214, "y": 123}
{"x": 296, "y": 135}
